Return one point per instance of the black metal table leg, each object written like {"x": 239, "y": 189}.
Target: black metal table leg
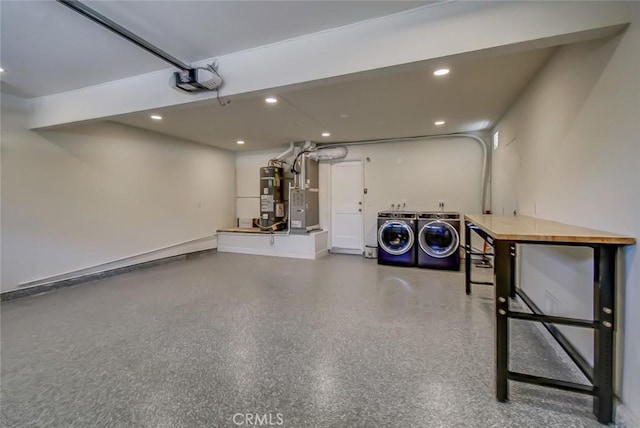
{"x": 512, "y": 280}
{"x": 503, "y": 279}
{"x": 604, "y": 262}
{"x": 467, "y": 259}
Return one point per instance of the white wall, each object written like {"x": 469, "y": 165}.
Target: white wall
{"x": 85, "y": 197}
{"x": 418, "y": 173}
{"x": 577, "y": 157}
{"x": 248, "y": 166}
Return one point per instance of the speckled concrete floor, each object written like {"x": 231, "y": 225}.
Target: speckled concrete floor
{"x": 338, "y": 342}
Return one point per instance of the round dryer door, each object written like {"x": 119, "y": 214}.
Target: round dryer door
{"x": 396, "y": 237}
{"x": 439, "y": 239}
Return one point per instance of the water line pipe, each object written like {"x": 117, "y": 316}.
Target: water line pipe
{"x": 485, "y": 156}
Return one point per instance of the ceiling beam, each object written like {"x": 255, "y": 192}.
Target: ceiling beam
{"x": 421, "y": 34}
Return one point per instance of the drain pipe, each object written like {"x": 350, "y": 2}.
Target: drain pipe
{"x": 485, "y": 157}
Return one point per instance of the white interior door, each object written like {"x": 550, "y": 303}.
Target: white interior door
{"x": 346, "y": 207}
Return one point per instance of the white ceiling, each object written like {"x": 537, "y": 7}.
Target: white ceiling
{"x": 395, "y": 102}
{"x": 47, "y": 48}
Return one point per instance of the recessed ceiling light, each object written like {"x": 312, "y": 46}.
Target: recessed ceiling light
{"x": 439, "y": 122}
{"x": 326, "y": 134}
{"x": 1, "y": 70}
{"x": 271, "y": 100}
{"x": 240, "y": 142}
{"x": 441, "y": 71}
{"x": 156, "y": 117}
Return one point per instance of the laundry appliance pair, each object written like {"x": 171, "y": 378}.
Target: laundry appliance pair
{"x": 423, "y": 239}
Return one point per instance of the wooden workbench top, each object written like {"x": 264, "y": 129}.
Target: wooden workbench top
{"x": 524, "y": 228}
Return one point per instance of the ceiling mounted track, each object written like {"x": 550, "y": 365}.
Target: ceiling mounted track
{"x": 98, "y": 18}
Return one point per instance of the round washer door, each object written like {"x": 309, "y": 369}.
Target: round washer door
{"x": 439, "y": 239}
{"x": 396, "y": 237}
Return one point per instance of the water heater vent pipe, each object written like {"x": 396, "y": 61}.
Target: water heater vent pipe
{"x": 286, "y": 153}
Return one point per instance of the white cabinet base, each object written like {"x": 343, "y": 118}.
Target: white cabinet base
{"x": 308, "y": 246}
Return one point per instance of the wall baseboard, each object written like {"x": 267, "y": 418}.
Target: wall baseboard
{"x": 338, "y": 250}
{"x": 193, "y": 245}
{"x": 43, "y": 287}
